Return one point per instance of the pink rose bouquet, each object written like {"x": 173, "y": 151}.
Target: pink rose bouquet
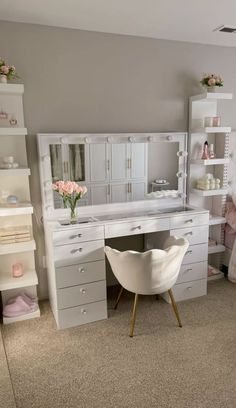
{"x": 211, "y": 80}
{"x": 9, "y": 71}
{"x": 71, "y": 193}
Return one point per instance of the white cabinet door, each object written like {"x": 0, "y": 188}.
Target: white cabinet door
{"x": 138, "y": 160}
{"x": 118, "y": 161}
{"x": 99, "y": 162}
{"x": 99, "y": 194}
{"x": 119, "y": 192}
{"x": 137, "y": 191}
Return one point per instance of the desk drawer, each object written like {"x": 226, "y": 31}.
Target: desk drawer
{"x": 196, "y": 253}
{"x": 79, "y": 315}
{"x": 79, "y": 253}
{"x": 81, "y": 294}
{"x": 190, "y": 220}
{"x": 80, "y": 274}
{"x": 71, "y": 236}
{"x": 136, "y": 227}
{"x": 195, "y": 235}
{"x": 192, "y": 272}
{"x": 190, "y": 290}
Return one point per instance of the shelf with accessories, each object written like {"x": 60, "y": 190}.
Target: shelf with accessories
{"x": 208, "y": 166}
{"x": 17, "y": 244}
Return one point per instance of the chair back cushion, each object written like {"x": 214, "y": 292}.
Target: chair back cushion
{"x": 150, "y": 272}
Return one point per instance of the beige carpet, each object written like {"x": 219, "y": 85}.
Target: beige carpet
{"x": 99, "y": 366}
{"x": 6, "y": 392}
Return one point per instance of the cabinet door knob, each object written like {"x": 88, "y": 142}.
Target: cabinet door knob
{"x": 189, "y": 252}
{"x": 81, "y": 270}
{"x": 73, "y": 251}
{"x": 189, "y": 222}
{"x": 83, "y": 311}
{"x": 189, "y": 288}
{"x": 79, "y": 235}
{"x": 188, "y": 233}
{"x": 82, "y": 290}
{"x": 188, "y": 270}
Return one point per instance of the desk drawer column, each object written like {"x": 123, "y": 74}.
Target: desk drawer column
{"x": 80, "y": 276}
{"x": 192, "y": 280}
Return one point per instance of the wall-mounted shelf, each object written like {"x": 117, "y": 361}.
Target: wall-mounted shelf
{"x": 17, "y": 248}
{"x": 210, "y": 162}
{"x": 217, "y": 276}
{"x": 211, "y": 96}
{"x": 218, "y": 129}
{"x": 215, "y": 249}
{"x": 11, "y": 131}
{"x": 216, "y": 220}
{"x": 27, "y": 316}
{"x": 20, "y": 209}
{"x": 7, "y": 282}
{"x": 11, "y": 89}
{"x": 20, "y": 171}
{"x": 208, "y": 193}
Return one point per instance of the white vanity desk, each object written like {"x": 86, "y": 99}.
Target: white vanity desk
{"x": 118, "y": 171}
{"x": 77, "y": 272}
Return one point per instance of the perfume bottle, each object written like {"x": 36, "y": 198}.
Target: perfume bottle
{"x": 211, "y": 152}
{"x": 205, "y": 153}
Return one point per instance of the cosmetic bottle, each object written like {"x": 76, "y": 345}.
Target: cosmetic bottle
{"x": 205, "y": 153}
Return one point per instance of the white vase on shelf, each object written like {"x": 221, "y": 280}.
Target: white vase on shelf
{"x": 211, "y": 89}
{"x": 3, "y": 79}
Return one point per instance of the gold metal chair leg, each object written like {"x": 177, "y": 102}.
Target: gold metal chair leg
{"x": 133, "y": 315}
{"x": 174, "y": 305}
{"x": 118, "y": 298}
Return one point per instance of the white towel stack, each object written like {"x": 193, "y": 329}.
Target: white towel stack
{"x": 13, "y": 235}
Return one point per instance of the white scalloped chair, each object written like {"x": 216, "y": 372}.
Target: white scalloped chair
{"x": 148, "y": 273}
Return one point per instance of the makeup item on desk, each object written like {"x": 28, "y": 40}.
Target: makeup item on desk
{"x": 205, "y": 153}
{"x": 17, "y": 270}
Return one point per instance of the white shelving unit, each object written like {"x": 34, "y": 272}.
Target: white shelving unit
{"x": 201, "y": 106}
{"x": 16, "y": 182}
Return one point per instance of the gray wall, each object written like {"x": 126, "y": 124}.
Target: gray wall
{"x": 79, "y": 81}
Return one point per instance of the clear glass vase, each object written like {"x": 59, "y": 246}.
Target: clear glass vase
{"x": 73, "y": 215}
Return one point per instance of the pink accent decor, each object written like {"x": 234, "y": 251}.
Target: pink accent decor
{"x": 17, "y": 270}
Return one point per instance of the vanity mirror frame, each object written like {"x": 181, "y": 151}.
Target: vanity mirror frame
{"x": 46, "y": 139}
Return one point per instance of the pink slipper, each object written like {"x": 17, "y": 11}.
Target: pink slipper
{"x": 19, "y": 307}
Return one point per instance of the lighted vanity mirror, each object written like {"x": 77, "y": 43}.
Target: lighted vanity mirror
{"x": 114, "y": 168}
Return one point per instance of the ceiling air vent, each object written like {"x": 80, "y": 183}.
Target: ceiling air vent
{"x": 226, "y": 29}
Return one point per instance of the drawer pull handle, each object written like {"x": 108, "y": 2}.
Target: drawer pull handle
{"x": 188, "y": 233}
{"x": 189, "y": 288}
{"x": 83, "y": 311}
{"x": 76, "y": 236}
{"x": 187, "y": 270}
{"x": 81, "y": 270}
{"x": 73, "y": 251}
{"x": 189, "y": 252}
{"x": 189, "y": 222}
{"x": 83, "y": 291}
{"x": 138, "y": 227}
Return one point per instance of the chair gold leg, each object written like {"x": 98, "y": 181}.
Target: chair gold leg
{"x": 133, "y": 316}
{"x": 118, "y": 298}
{"x": 174, "y": 305}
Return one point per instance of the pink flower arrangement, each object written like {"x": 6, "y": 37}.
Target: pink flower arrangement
{"x": 8, "y": 70}
{"x": 70, "y": 192}
{"x": 211, "y": 80}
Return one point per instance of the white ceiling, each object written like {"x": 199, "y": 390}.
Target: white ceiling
{"x": 184, "y": 20}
